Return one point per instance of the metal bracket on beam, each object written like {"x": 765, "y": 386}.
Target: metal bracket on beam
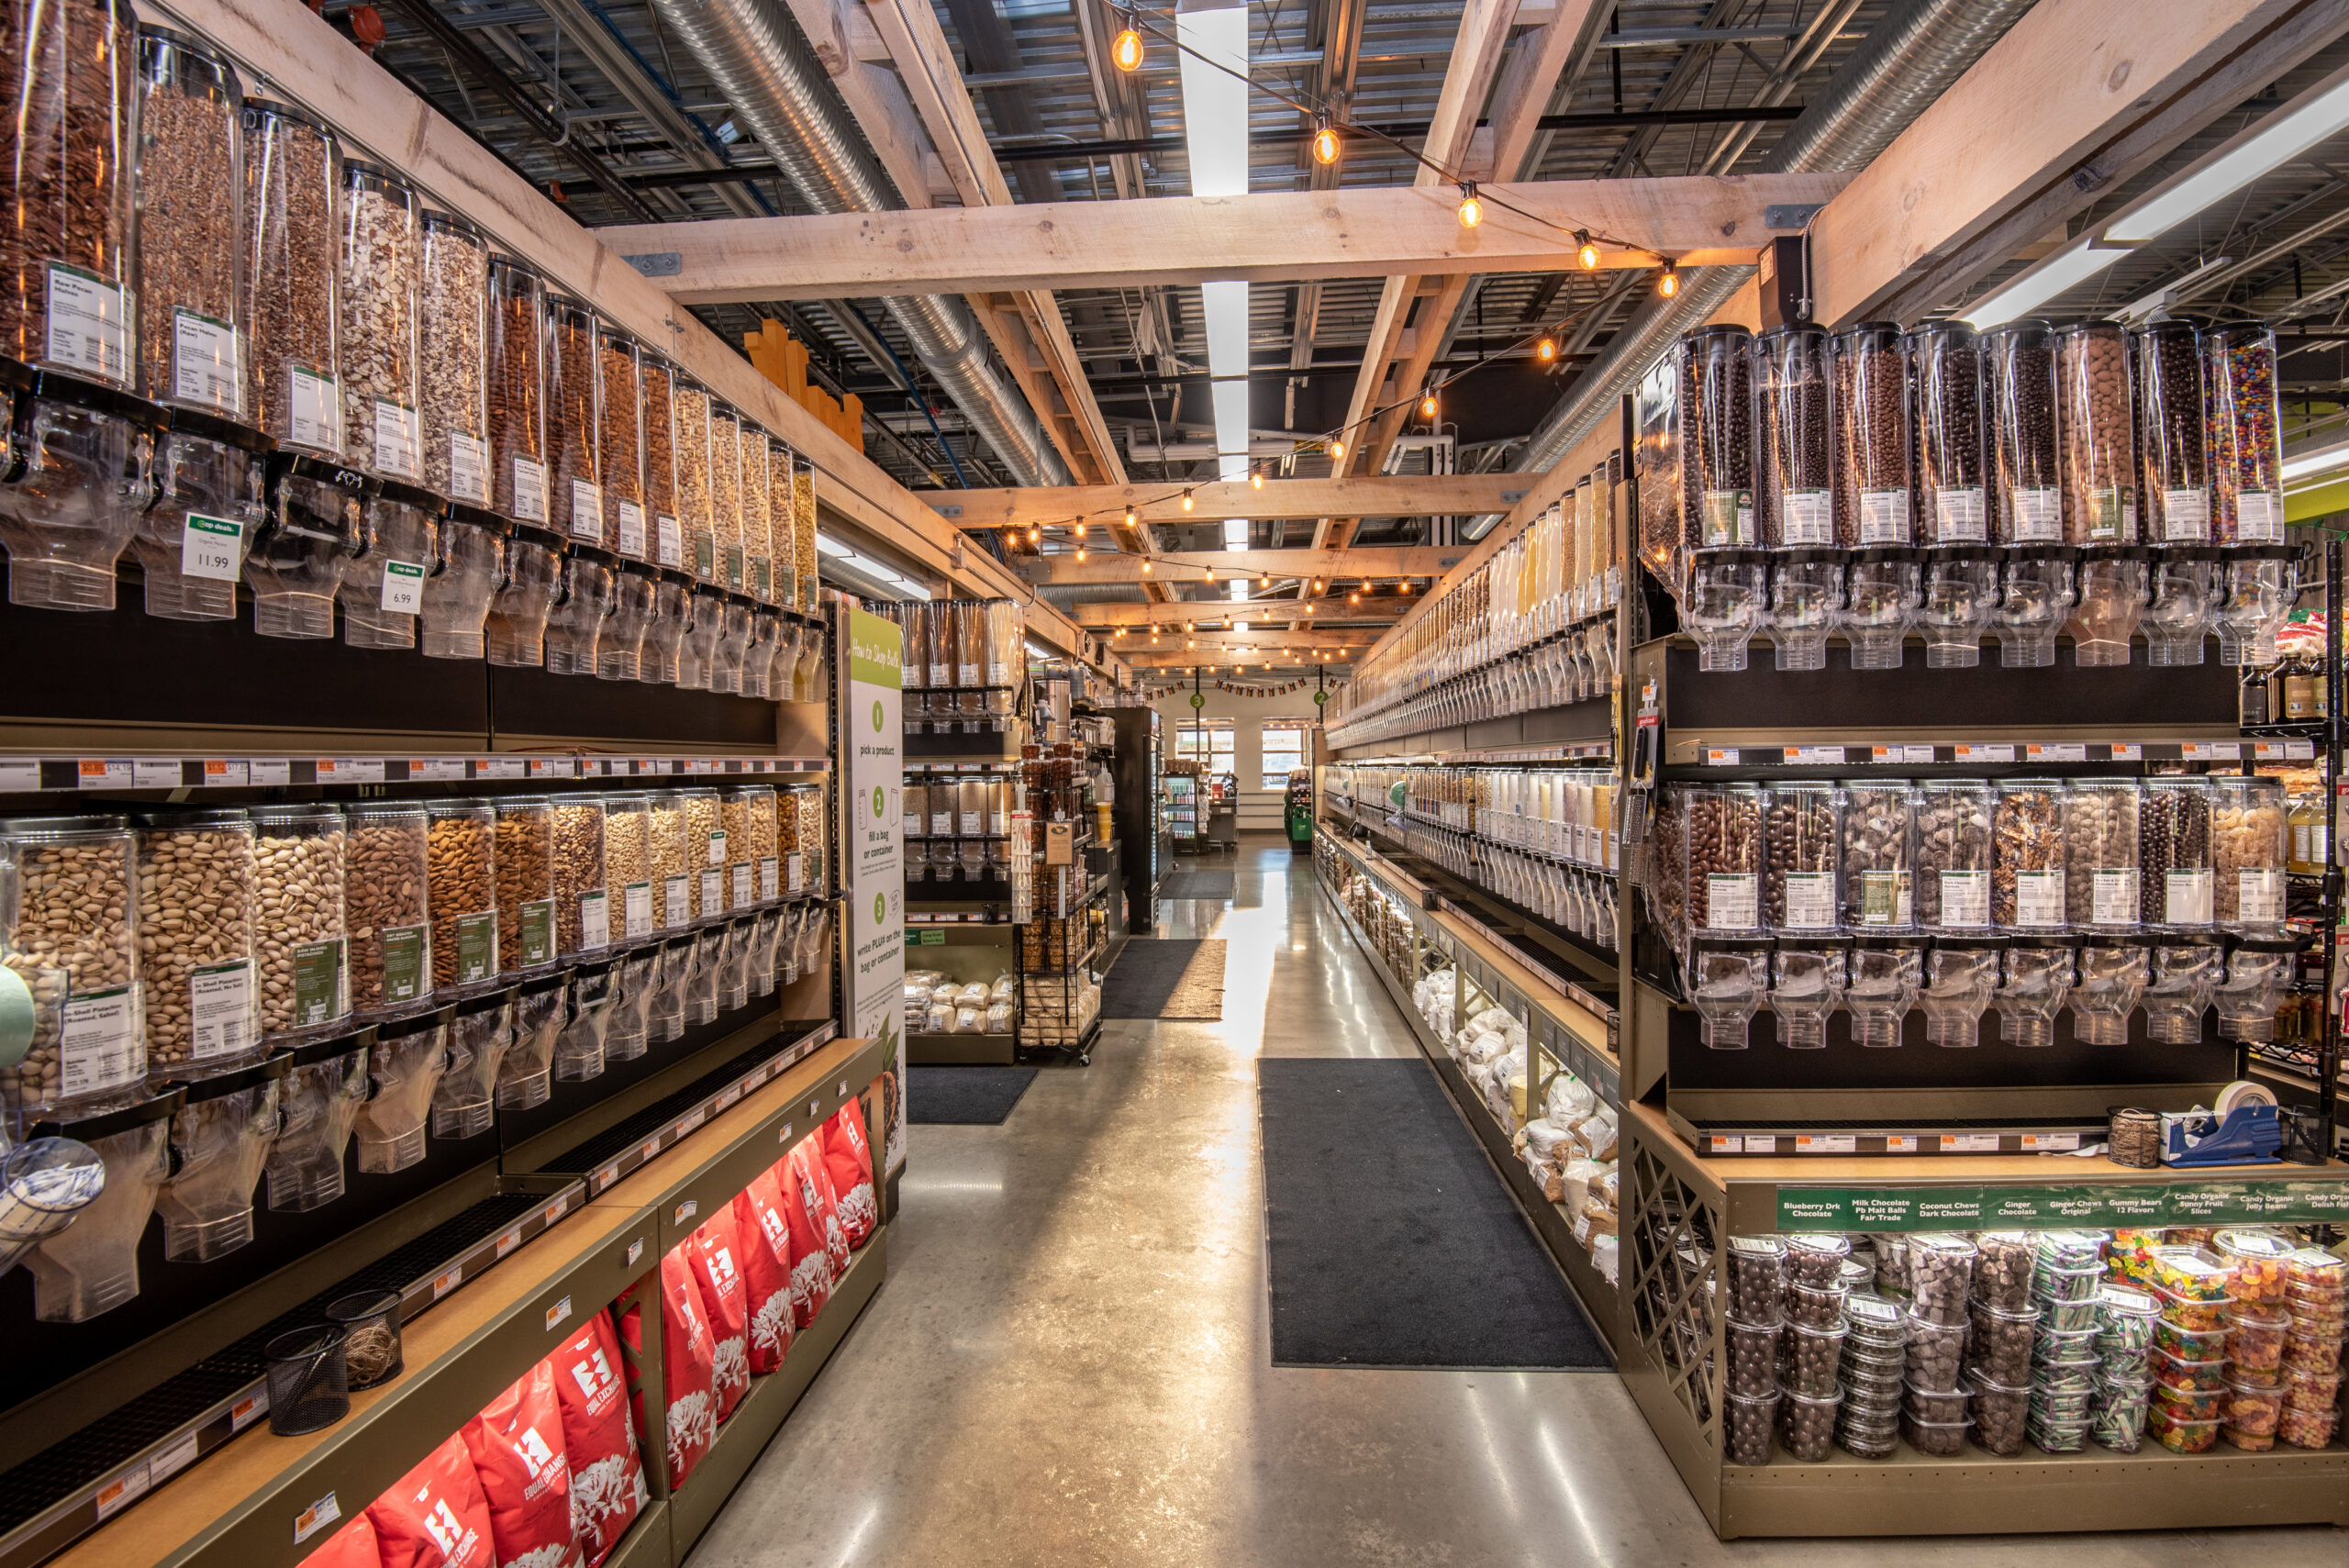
{"x": 668, "y": 263}
{"x": 1791, "y": 215}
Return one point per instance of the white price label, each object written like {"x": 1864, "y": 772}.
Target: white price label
{"x": 2128, "y": 751}
{"x": 795, "y": 876}
{"x": 631, "y": 518}
{"x": 715, "y": 855}
{"x": 212, "y": 548}
{"x": 1969, "y": 1143}
{"x": 1804, "y": 519}
{"x": 87, "y": 325}
{"x": 100, "y": 1043}
{"x": 351, "y": 770}
{"x": 468, "y": 469}
{"x": 399, "y": 438}
{"x": 223, "y": 773}
{"x": 1825, "y": 1143}
{"x": 1958, "y": 516}
{"x": 770, "y": 878}
{"x": 1997, "y": 753}
{"x": 668, "y": 541}
{"x": 1965, "y": 899}
{"x": 2186, "y": 516}
{"x": 636, "y": 909}
{"x": 2186, "y": 897}
{"x": 154, "y": 773}
{"x": 498, "y": 768}
{"x": 206, "y": 369}
{"x": 595, "y": 919}
{"x": 266, "y": 771}
{"x": 676, "y": 900}
{"x": 2259, "y": 897}
{"x": 713, "y": 893}
{"x": 529, "y": 491}
{"x": 1811, "y": 900}
{"x": 742, "y": 890}
{"x": 2038, "y": 516}
{"x": 314, "y": 406}
{"x": 2038, "y": 898}
{"x": 586, "y": 510}
{"x": 1732, "y": 901}
{"x": 2057, "y": 751}
{"x": 2113, "y": 896}
{"x": 2259, "y": 517}
{"x": 1884, "y": 517}
{"x": 403, "y": 587}
{"x": 19, "y": 775}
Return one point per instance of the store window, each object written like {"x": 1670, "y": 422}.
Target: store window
{"x": 1285, "y": 748}
{"x": 1209, "y": 741}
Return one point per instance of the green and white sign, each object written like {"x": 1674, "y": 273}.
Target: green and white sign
{"x": 2182, "y": 1202}
{"x": 872, "y": 798}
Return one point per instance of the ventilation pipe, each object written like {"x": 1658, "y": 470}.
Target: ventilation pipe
{"x": 1909, "y": 59}
{"x": 763, "y": 66}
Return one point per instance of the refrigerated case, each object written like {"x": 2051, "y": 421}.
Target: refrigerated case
{"x": 1183, "y": 797}
{"x": 1144, "y": 848}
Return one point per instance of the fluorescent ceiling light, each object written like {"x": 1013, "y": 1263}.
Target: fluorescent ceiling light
{"x": 2273, "y": 142}
{"x": 831, "y": 546}
{"x": 2317, "y": 460}
{"x": 2074, "y": 264}
{"x": 1214, "y": 134}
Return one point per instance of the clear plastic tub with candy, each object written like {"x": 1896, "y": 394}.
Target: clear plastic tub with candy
{"x": 2252, "y": 1414}
{"x": 2068, "y": 1315}
{"x": 2116, "y": 1413}
{"x": 2001, "y": 1341}
{"x": 2311, "y": 1352}
{"x": 2126, "y": 1322}
{"x": 2312, "y": 1274}
{"x": 1937, "y": 1440}
{"x": 2189, "y": 1376}
{"x": 2190, "y": 1344}
{"x": 2255, "y": 1341}
{"x": 2190, "y": 1404}
{"x": 1941, "y": 1275}
{"x": 2181, "y": 1436}
{"x": 2002, "y": 1270}
{"x": 1746, "y": 1430}
{"x": 1936, "y": 1353}
{"x": 2254, "y": 1261}
{"x": 2307, "y": 1429}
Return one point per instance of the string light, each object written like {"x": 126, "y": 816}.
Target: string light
{"x": 1426, "y": 405}
{"x": 1265, "y": 581}
{"x": 1584, "y": 252}
{"x": 1546, "y": 350}
{"x": 1668, "y": 284}
{"x": 1035, "y": 535}
{"x": 1129, "y": 516}
{"x": 1337, "y": 447}
{"x": 1187, "y": 500}
{"x": 1325, "y": 140}
{"x": 1145, "y": 568}
{"x": 1316, "y": 585}
{"x": 1255, "y": 479}
{"x": 1126, "y": 48}
{"x": 1080, "y": 555}
{"x": 1472, "y": 209}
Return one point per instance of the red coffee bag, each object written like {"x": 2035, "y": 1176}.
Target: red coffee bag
{"x": 518, "y": 1452}
{"x": 689, "y": 1362}
{"x": 435, "y": 1516}
{"x": 607, "y": 1488}
{"x": 715, "y": 1251}
{"x": 811, "y": 1262}
{"x": 848, "y": 1156}
{"x": 765, "y": 1258}
{"x": 353, "y": 1546}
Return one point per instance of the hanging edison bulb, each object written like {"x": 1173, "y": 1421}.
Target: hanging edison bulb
{"x": 1126, "y": 48}
{"x": 1325, "y": 142}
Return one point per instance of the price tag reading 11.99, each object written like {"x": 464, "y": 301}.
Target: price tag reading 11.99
{"x": 213, "y": 548}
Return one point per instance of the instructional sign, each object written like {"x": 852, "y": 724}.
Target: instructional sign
{"x": 2149, "y": 1205}
{"x": 872, "y": 803}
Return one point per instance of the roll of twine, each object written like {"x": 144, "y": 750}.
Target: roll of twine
{"x": 2135, "y": 1138}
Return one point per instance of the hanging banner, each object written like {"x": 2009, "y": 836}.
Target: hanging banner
{"x": 872, "y": 801}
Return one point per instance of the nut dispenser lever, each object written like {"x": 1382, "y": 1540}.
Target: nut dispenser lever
{"x": 92, "y": 1265}
{"x": 44, "y": 1184}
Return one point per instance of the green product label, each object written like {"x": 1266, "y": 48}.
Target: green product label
{"x": 705, "y": 557}
{"x": 2110, "y": 511}
{"x": 762, "y": 578}
{"x": 876, "y": 650}
{"x": 476, "y": 947}
{"x": 406, "y": 958}
{"x": 538, "y": 931}
{"x": 317, "y": 983}
{"x": 734, "y": 567}
{"x": 1729, "y": 517}
{"x": 928, "y": 939}
{"x": 2148, "y": 1205}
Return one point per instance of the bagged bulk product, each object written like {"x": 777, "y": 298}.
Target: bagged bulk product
{"x": 1569, "y": 1100}
{"x": 519, "y": 1453}
{"x": 1573, "y": 1182}
{"x": 608, "y": 1489}
{"x": 848, "y": 1155}
{"x": 811, "y": 1261}
{"x": 714, "y": 1252}
{"x": 435, "y": 1516}
{"x": 765, "y": 1258}
{"x": 688, "y": 1369}
{"x": 828, "y": 1200}
{"x": 353, "y": 1546}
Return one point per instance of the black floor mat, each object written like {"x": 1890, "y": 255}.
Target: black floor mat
{"x": 1165, "y": 978}
{"x": 1198, "y": 885}
{"x": 963, "y": 1096}
{"x": 1393, "y": 1242}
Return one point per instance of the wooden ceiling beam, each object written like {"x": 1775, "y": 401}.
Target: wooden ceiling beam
{"x": 1266, "y": 236}
{"x": 1396, "y": 495}
{"x": 1378, "y": 610}
{"x": 1327, "y": 565}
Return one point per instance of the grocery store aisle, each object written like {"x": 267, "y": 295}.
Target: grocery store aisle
{"x": 1069, "y": 1363}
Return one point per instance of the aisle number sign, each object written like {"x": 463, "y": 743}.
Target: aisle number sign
{"x": 2184, "y": 1201}
{"x": 872, "y": 754}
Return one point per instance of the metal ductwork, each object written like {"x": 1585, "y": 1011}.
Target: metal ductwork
{"x": 756, "y": 55}
{"x": 1909, "y": 59}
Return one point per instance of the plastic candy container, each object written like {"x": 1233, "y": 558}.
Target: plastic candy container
{"x": 2306, "y": 1428}
{"x": 2255, "y": 1263}
{"x": 2190, "y": 1377}
{"x": 2255, "y": 1342}
{"x": 1941, "y": 1275}
{"x": 2312, "y": 1274}
{"x": 2002, "y": 1271}
{"x": 1747, "y": 1430}
{"x": 2308, "y": 1354}
{"x": 1814, "y": 1260}
{"x": 2116, "y": 1413}
{"x": 1757, "y": 1287}
{"x": 2180, "y": 1436}
{"x": 2190, "y": 1344}
{"x": 2126, "y": 1324}
{"x": 2130, "y": 1256}
{"x": 2253, "y": 1415}
{"x": 2190, "y": 1404}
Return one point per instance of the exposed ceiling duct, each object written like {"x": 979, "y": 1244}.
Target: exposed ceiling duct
{"x": 756, "y": 54}
{"x": 1909, "y": 59}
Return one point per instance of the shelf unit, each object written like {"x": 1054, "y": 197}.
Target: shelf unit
{"x": 1716, "y": 1143}
{"x": 242, "y": 1506}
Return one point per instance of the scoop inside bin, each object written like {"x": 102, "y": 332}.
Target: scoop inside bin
{"x": 479, "y": 1038}
{"x": 44, "y": 1183}
{"x": 524, "y": 1078}
{"x": 92, "y": 1265}
{"x": 220, "y": 1142}
{"x": 406, "y": 1065}
{"x": 319, "y": 1106}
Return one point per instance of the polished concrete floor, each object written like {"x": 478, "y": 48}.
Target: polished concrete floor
{"x": 1068, "y": 1362}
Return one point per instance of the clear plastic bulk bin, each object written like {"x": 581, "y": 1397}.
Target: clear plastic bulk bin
{"x": 1793, "y": 496}
{"x": 697, "y": 658}
{"x": 2172, "y": 434}
{"x": 198, "y": 901}
{"x": 319, "y": 1103}
{"x": 468, "y": 562}
{"x": 221, "y": 1140}
{"x": 406, "y": 1062}
{"x": 516, "y": 627}
{"x": 381, "y": 284}
{"x": 301, "y": 937}
{"x": 2174, "y": 853}
{"x": 635, "y": 602}
{"x": 2100, "y": 853}
{"x": 665, "y": 539}
{"x": 452, "y": 368}
{"x": 725, "y": 566}
{"x": 620, "y": 399}
{"x": 573, "y": 422}
{"x": 2250, "y": 840}
{"x": 461, "y": 889}
{"x": 292, "y": 175}
{"x": 803, "y": 533}
{"x": 628, "y": 866}
{"x": 584, "y": 913}
{"x": 690, "y": 449}
{"x": 1869, "y": 425}
{"x": 73, "y": 936}
{"x": 383, "y": 588}
{"x": 575, "y": 624}
{"x": 92, "y": 1266}
{"x": 758, "y": 524}
{"x": 2036, "y": 577}
{"x": 1727, "y": 590}
{"x": 783, "y": 523}
{"x": 387, "y": 877}
{"x": 66, "y": 225}
{"x": 1961, "y": 574}
{"x": 664, "y": 634}
{"x": 481, "y": 1036}
{"x": 1953, "y": 855}
{"x": 191, "y": 295}
{"x": 69, "y": 504}
{"x": 208, "y": 498}
{"x": 515, "y": 358}
{"x": 733, "y": 644}
{"x": 295, "y": 561}
{"x": 526, "y": 888}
